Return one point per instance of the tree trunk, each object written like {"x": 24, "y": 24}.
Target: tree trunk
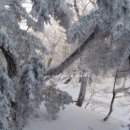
{"x": 82, "y": 93}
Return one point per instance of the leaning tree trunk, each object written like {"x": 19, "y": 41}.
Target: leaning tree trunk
{"x": 84, "y": 82}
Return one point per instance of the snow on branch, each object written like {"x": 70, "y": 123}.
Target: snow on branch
{"x": 43, "y": 9}
{"x": 77, "y": 53}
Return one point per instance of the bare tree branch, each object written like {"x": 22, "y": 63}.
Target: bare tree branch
{"x": 91, "y": 96}
{"x": 120, "y": 96}
{"x": 113, "y": 98}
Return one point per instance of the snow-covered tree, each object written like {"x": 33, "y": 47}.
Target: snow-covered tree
{"x": 58, "y": 9}
{"x": 102, "y": 35}
{"x": 22, "y": 74}
{"x": 110, "y": 38}
{"x": 55, "y": 99}
{"x": 103, "y": 38}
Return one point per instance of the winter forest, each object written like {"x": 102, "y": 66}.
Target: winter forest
{"x": 64, "y": 64}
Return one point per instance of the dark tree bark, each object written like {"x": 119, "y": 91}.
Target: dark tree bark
{"x": 9, "y": 55}
{"x": 11, "y": 62}
{"x": 49, "y": 62}
{"x": 68, "y": 80}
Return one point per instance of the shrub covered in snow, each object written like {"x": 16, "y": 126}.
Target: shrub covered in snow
{"x": 55, "y": 99}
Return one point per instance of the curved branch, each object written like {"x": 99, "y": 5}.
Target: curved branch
{"x": 11, "y": 62}
{"x": 77, "y": 53}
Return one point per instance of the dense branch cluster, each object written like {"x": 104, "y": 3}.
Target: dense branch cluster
{"x": 22, "y": 77}
{"x": 110, "y": 49}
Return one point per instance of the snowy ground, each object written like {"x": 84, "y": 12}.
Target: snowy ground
{"x": 101, "y": 99}
{"x": 75, "y": 118}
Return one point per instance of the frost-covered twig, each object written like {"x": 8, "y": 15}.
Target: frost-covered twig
{"x": 91, "y": 96}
